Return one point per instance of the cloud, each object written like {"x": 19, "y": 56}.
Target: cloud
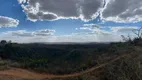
{"x": 98, "y": 36}
{"x": 124, "y": 29}
{"x": 120, "y": 29}
{"x": 21, "y": 33}
{"x": 95, "y": 35}
{"x": 122, "y": 11}
{"x": 94, "y": 28}
{"x": 8, "y": 22}
{"x": 92, "y": 25}
{"x": 24, "y": 33}
{"x": 41, "y": 16}
{"x": 61, "y": 9}
{"x": 107, "y": 34}
{"x": 46, "y": 32}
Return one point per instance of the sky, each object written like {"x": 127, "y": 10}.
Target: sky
{"x": 26, "y": 21}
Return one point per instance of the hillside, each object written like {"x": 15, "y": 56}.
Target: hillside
{"x": 71, "y": 61}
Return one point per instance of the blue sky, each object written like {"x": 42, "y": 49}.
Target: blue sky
{"x": 64, "y": 26}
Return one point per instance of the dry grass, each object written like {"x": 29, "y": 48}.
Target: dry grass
{"x": 128, "y": 68}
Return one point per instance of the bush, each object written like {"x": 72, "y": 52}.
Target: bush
{"x": 129, "y": 68}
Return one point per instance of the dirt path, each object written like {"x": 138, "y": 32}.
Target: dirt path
{"x": 22, "y": 73}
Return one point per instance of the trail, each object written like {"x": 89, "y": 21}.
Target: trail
{"x": 22, "y": 73}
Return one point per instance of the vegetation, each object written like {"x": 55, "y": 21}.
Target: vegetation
{"x": 71, "y": 58}
{"x": 56, "y": 58}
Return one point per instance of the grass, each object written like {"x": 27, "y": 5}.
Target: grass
{"x": 127, "y": 68}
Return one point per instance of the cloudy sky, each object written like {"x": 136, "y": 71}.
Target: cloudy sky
{"x": 69, "y": 20}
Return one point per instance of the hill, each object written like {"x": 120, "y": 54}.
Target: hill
{"x": 74, "y": 59}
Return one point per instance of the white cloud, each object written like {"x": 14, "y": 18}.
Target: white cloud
{"x": 122, "y": 11}
{"x": 107, "y": 34}
{"x": 101, "y": 34}
{"x": 117, "y": 29}
{"x": 24, "y": 33}
{"x": 92, "y": 25}
{"x": 8, "y": 22}
{"x": 21, "y": 33}
{"x": 46, "y": 32}
{"x": 124, "y": 29}
{"x": 62, "y": 9}
{"x": 94, "y": 28}
{"x": 86, "y": 10}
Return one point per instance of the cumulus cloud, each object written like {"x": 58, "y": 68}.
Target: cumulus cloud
{"x": 95, "y": 29}
{"x": 61, "y": 9}
{"x": 120, "y": 29}
{"x": 46, "y": 32}
{"x": 24, "y": 33}
{"x": 122, "y": 11}
{"x": 92, "y": 25}
{"x": 21, "y": 33}
{"x": 86, "y": 10}
{"x": 41, "y": 16}
{"x": 107, "y": 34}
{"x": 8, "y": 22}
{"x": 111, "y": 34}
{"x": 124, "y": 29}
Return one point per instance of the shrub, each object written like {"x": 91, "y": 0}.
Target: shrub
{"x": 128, "y": 68}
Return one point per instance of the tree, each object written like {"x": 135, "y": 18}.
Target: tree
{"x": 3, "y": 42}
{"x": 138, "y": 32}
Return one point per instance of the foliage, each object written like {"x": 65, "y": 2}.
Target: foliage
{"x": 58, "y": 58}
